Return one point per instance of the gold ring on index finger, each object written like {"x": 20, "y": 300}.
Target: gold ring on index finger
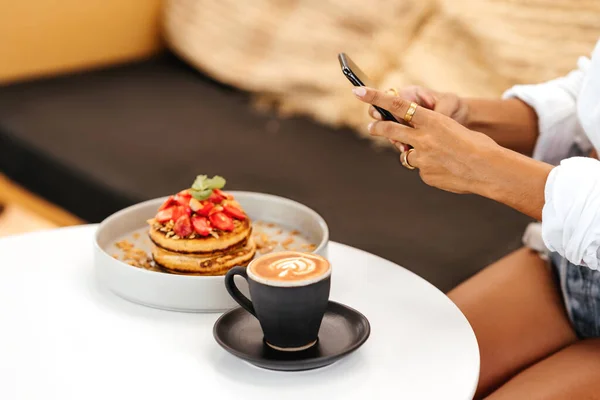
{"x": 410, "y": 112}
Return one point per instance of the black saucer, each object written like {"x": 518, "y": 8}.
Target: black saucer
{"x": 343, "y": 330}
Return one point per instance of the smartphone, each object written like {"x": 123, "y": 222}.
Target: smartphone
{"x": 359, "y": 78}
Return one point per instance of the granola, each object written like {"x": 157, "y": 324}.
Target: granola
{"x": 271, "y": 237}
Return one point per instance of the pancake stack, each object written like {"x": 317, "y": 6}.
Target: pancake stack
{"x": 204, "y": 233}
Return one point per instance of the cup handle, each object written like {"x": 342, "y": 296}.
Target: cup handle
{"x": 235, "y": 292}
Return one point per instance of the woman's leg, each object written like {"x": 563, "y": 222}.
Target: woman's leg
{"x": 517, "y": 313}
{"x": 571, "y": 373}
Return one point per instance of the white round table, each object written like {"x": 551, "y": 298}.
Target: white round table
{"x": 62, "y": 336}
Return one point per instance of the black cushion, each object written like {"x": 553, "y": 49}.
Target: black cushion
{"x": 98, "y": 141}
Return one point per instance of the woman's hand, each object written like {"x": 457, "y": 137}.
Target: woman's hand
{"x": 511, "y": 122}
{"x": 448, "y": 155}
{"x": 451, "y": 157}
{"x": 448, "y": 104}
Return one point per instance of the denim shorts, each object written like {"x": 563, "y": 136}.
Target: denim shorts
{"x": 580, "y": 287}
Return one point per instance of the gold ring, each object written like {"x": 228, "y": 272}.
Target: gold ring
{"x": 404, "y": 159}
{"x": 394, "y": 91}
{"x": 410, "y": 112}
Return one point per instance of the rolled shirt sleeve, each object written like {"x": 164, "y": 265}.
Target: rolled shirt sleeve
{"x": 555, "y": 102}
{"x": 571, "y": 214}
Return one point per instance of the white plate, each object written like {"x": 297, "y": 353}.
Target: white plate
{"x": 191, "y": 293}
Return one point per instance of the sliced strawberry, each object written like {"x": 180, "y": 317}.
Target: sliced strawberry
{"x": 183, "y": 226}
{"x": 215, "y": 209}
{"x": 168, "y": 203}
{"x": 180, "y": 211}
{"x": 182, "y": 200}
{"x": 234, "y": 212}
{"x": 185, "y": 193}
{"x": 165, "y": 215}
{"x": 224, "y": 194}
{"x": 218, "y": 196}
{"x": 201, "y": 225}
{"x": 221, "y": 221}
{"x": 206, "y": 208}
{"x": 215, "y": 198}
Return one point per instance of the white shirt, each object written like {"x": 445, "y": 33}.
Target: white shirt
{"x": 568, "y": 110}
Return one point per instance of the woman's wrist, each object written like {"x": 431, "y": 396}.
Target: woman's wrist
{"x": 511, "y": 123}
{"x": 512, "y": 179}
{"x": 477, "y": 113}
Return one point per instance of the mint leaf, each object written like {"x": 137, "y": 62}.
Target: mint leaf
{"x": 217, "y": 182}
{"x": 203, "y": 186}
{"x": 200, "y": 182}
{"x": 201, "y": 194}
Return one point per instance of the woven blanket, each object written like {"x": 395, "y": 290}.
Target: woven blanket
{"x": 284, "y": 51}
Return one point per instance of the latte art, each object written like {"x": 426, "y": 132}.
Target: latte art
{"x": 294, "y": 266}
{"x": 289, "y": 267}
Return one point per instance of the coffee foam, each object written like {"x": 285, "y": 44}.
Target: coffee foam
{"x": 289, "y": 268}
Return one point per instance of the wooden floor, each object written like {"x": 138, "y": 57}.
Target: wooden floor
{"x": 21, "y": 211}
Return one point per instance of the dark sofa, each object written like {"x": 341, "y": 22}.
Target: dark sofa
{"x": 98, "y": 141}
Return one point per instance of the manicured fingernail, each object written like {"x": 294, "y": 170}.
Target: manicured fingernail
{"x": 377, "y": 115}
{"x": 370, "y": 126}
{"x": 359, "y": 91}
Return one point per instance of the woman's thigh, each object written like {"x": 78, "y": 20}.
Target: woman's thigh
{"x": 517, "y": 313}
{"x": 572, "y": 373}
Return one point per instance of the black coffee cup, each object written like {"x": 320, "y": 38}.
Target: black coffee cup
{"x": 289, "y": 315}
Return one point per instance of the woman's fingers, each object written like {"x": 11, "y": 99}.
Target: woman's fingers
{"x": 393, "y": 131}
{"x": 396, "y": 105}
{"x": 400, "y": 146}
{"x": 411, "y": 158}
{"x": 375, "y": 114}
{"x": 426, "y": 98}
{"x": 447, "y": 104}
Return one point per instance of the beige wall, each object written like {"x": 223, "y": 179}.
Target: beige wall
{"x": 43, "y": 37}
